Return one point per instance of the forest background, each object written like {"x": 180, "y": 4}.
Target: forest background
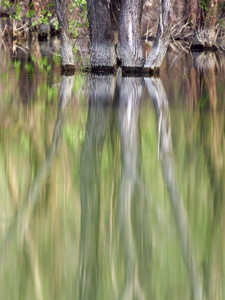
{"x": 19, "y": 19}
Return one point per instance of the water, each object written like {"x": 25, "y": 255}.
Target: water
{"x": 111, "y": 187}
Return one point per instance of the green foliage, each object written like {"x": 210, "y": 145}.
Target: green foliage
{"x": 56, "y": 25}
{"x": 72, "y": 6}
{"x": 221, "y": 22}
{"x": 221, "y": 6}
{"x": 82, "y": 4}
{"x": 16, "y": 16}
{"x": 30, "y": 13}
{"x": 204, "y": 4}
{"x": 45, "y": 16}
{"x": 6, "y": 3}
{"x": 75, "y": 24}
{"x": 208, "y": 11}
{"x": 34, "y": 23}
{"x": 73, "y": 28}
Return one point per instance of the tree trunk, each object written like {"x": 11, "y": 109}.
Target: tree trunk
{"x": 102, "y": 46}
{"x": 67, "y": 41}
{"x": 162, "y": 39}
{"x": 205, "y": 34}
{"x": 193, "y": 8}
{"x": 130, "y": 49}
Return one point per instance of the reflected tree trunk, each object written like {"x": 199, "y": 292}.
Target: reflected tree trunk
{"x": 65, "y": 97}
{"x": 67, "y": 41}
{"x": 24, "y": 214}
{"x": 130, "y": 48}
{"x": 206, "y": 63}
{"x": 128, "y": 116}
{"x": 101, "y": 96}
{"x": 212, "y": 141}
{"x": 162, "y": 39}
{"x": 165, "y": 154}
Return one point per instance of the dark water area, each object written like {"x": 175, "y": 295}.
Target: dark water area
{"x": 111, "y": 187}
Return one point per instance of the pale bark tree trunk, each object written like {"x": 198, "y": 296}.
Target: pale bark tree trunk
{"x": 102, "y": 46}
{"x": 130, "y": 49}
{"x": 162, "y": 39}
{"x": 67, "y": 41}
{"x": 205, "y": 34}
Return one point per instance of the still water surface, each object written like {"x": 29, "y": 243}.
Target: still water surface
{"x": 111, "y": 187}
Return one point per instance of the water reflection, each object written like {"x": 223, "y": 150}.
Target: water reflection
{"x": 132, "y": 225}
{"x": 165, "y": 153}
{"x": 102, "y": 89}
{"x": 102, "y": 205}
{"x": 106, "y": 94}
{"x": 22, "y": 223}
{"x": 195, "y": 79}
{"x": 65, "y": 97}
{"x": 212, "y": 142}
{"x": 132, "y": 200}
{"x": 207, "y": 66}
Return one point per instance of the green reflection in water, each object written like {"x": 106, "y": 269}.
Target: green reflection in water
{"x": 87, "y": 187}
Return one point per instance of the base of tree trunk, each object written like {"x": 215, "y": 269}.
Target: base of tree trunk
{"x": 103, "y": 55}
{"x": 127, "y": 71}
{"x": 140, "y": 71}
{"x": 68, "y": 70}
{"x": 204, "y": 40}
{"x": 106, "y": 70}
{"x": 152, "y": 72}
{"x": 202, "y": 48}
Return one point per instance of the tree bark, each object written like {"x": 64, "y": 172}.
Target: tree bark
{"x": 205, "y": 34}
{"x": 162, "y": 39}
{"x": 193, "y": 8}
{"x": 67, "y": 41}
{"x": 130, "y": 49}
{"x": 102, "y": 46}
